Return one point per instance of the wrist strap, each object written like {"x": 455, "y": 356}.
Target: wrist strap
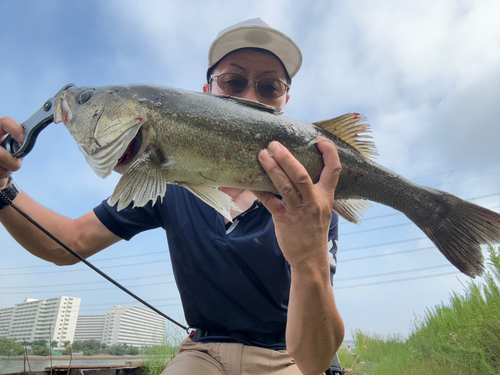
{"x": 8, "y": 194}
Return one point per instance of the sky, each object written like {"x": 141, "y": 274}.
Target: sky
{"x": 425, "y": 73}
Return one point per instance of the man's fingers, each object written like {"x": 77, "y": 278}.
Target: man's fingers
{"x": 282, "y": 167}
{"x": 8, "y": 163}
{"x": 331, "y": 171}
{"x": 11, "y": 126}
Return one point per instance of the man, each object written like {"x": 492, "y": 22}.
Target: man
{"x": 258, "y": 290}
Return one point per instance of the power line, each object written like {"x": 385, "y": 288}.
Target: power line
{"x": 95, "y": 261}
{"x": 126, "y": 302}
{"x": 85, "y": 269}
{"x": 393, "y": 273}
{"x": 381, "y": 244}
{"x": 340, "y": 261}
{"x": 171, "y": 282}
{"x": 86, "y": 282}
{"x": 455, "y": 170}
{"x": 398, "y": 280}
{"x": 157, "y": 306}
{"x": 88, "y": 290}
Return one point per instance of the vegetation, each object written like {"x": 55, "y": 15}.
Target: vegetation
{"x": 89, "y": 347}
{"x": 460, "y": 338}
{"x": 9, "y": 347}
{"x": 122, "y": 349}
{"x": 156, "y": 358}
{"x": 40, "y": 347}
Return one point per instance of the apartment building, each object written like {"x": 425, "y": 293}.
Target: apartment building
{"x": 90, "y": 327}
{"x": 134, "y": 326}
{"x": 52, "y": 319}
{"x": 57, "y": 319}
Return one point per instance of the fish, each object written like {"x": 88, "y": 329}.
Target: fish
{"x": 157, "y": 135}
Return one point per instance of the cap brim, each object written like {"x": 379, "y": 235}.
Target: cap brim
{"x": 256, "y": 36}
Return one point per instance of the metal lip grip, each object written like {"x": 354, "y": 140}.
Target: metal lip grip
{"x": 33, "y": 126}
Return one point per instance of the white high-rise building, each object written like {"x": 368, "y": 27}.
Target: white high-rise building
{"x": 90, "y": 327}
{"x": 52, "y": 319}
{"x": 134, "y": 326}
{"x": 56, "y": 319}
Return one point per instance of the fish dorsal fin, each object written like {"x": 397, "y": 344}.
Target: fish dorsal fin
{"x": 253, "y": 104}
{"x": 349, "y": 128}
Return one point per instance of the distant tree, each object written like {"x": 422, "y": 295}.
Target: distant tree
{"x": 119, "y": 349}
{"x": 66, "y": 343}
{"x": 132, "y": 350}
{"x": 54, "y": 344}
{"x": 41, "y": 350}
{"x": 40, "y": 343}
{"x": 89, "y": 347}
{"x": 8, "y": 347}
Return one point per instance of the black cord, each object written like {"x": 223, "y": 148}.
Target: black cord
{"x": 9, "y": 201}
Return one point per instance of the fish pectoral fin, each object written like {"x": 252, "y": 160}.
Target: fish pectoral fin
{"x": 143, "y": 181}
{"x": 349, "y": 128}
{"x": 351, "y": 209}
{"x": 215, "y": 198}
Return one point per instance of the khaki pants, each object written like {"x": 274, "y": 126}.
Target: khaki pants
{"x": 229, "y": 359}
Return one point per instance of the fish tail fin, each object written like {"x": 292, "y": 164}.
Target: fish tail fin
{"x": 458, "y": 229}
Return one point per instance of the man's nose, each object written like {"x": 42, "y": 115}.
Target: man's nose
{"x": 250, "y": 93}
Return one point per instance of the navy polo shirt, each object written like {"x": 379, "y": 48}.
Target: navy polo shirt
{"x": 231, "y": 277}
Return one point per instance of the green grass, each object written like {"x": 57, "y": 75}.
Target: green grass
{"x": 462, "y": 337}
{"x": 156, "y": 358}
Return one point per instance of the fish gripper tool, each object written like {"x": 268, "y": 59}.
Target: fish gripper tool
{"x": 33, "y": 126}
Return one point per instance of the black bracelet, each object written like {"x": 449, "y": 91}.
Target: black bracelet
{"x": 8, "y": 194}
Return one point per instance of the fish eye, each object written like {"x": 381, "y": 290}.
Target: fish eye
{"x": 85, "y": 96}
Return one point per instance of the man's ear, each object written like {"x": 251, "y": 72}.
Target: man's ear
{"x": 206, "y": 87}
{"x": 287, "y": 98}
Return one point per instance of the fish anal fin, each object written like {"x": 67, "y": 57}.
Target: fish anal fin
{"x": 351, "y": 129}
{"x": 351, "y": 209}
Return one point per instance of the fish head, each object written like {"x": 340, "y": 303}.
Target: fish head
{"x": 108, "y": 124}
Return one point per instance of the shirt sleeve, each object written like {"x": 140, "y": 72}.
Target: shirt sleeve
{"x": 129, "y": 221}
{"x": 333, "y": 242}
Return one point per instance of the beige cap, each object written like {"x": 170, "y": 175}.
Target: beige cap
{"x": 255, "y": 33}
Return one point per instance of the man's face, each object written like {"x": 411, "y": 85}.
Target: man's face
{"x": 254, "y": 65}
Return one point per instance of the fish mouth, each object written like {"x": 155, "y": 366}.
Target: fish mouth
{"x": 62, "y": 111}
{"x": 131, "y": 152}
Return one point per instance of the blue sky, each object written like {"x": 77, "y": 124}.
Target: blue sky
{"x": 426, "y": 74}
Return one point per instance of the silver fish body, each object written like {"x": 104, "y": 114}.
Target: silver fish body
{"x": 158, "y": 135}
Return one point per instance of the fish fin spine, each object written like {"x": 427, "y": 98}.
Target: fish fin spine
{"x": 141, "y": 183}
{"x": 351, "y": 129}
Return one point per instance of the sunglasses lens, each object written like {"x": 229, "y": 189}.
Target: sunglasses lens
{"x": 232, "y": 83}
{"x": 271, "y": 88}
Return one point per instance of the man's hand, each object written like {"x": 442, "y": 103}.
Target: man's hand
{"x": 314, "y": 328}
{"x": 8, "y": 163}
{"x": 303, "y": 218}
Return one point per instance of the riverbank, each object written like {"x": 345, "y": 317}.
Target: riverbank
{"x": 125, "y": 357}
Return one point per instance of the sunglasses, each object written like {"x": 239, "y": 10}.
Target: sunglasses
{"x": 234, "y": 83}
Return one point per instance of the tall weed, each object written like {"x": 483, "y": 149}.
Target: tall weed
{"x": 462, "y": 337}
